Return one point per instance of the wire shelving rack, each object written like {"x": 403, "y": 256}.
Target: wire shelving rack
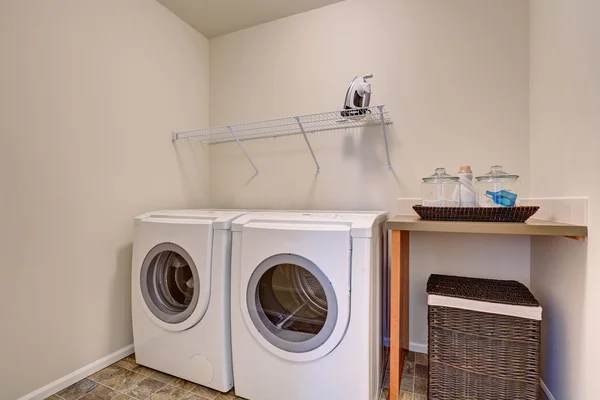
{"x": 298, "y": 125}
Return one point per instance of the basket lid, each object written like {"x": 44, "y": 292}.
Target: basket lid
{"x": 488, "y": 290}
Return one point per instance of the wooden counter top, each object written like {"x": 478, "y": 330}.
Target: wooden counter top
{"x": 533, "y": 226}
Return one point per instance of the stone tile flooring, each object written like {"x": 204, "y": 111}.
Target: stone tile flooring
{"x": 126, "y": 380}
{"x": 414, "y": 378}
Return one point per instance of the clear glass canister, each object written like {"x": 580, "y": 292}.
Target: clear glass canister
{"x": 440, "y": 190}
{"x": 498, "y": 189}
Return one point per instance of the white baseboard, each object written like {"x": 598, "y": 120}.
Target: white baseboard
{"x": 78, "y": 375}
{"x": 418, "y": 347}
{"x": 546, "y": 391}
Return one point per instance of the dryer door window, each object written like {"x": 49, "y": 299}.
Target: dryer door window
{"x": 169, "y": 282}
{"x": 292, "y": 303}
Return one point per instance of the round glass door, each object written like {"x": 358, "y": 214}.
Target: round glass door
{"x": 169, "y": 282}
{"x": 292, "y": 303}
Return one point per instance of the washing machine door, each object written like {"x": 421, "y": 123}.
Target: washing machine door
{"x": 296, "y": 287}
{"x": 174, "y": 275}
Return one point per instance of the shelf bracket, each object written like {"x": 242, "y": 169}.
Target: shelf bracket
{"x": 242, "y": 147}
{"x": 578, "y": 238}
{"x": 312, "y": 153}
{"x": 387, "y": 151}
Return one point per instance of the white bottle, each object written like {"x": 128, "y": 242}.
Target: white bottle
{"x": 467, "y": 190}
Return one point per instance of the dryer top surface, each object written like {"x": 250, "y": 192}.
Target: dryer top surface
{"x": 360, "y": 223}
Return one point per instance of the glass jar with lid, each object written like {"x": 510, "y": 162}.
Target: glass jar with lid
{"x": 440, "y": 190}
{"x": 498, "y": 188}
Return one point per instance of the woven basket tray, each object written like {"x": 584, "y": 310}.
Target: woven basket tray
{"x": 488, "y": 290}
{"x": 476, "y": 214}
{"x": 478, "y": 355}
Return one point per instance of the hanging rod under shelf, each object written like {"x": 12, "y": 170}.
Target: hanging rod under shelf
{"x": 298, "y": 125}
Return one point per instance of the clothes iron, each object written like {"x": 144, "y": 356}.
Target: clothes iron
{"x": 358, "y": 97}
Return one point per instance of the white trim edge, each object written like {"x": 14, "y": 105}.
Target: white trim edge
{"x": 78, "y": 375}
{"x": 534, "y": 313}
{"x": 546, "y": 391}
{"x": 418, "y": 347}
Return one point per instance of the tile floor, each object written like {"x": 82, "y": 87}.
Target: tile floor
{"x": 414, "y": 378}
{"x": 126, "y": 380}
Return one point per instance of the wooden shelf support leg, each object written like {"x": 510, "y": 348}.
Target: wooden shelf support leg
{"x": 398, "y": 308}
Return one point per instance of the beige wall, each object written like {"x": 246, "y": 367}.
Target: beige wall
{"x": 90, "y": 91}
{"x": 454, "y": 76}
{"x": 565, "y": 138}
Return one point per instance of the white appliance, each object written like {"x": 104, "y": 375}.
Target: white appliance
{"x": 180, "y": 294}
{"x": 306, "y": 309}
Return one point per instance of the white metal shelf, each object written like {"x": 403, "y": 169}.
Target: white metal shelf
{"x": 299, "y": 125}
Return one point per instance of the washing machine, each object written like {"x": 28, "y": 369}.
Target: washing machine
{"x": 181, "y": 294}
{"x": 306, "y": 309}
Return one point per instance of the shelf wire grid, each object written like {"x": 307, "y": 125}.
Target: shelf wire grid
{"x": 326, "y": 121}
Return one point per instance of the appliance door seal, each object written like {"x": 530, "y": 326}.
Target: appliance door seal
{"x": 295, "y": 286}
{"x": 292, "y": 303}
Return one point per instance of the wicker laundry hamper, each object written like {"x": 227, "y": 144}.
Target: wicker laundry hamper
{"x": 484, "y": 339}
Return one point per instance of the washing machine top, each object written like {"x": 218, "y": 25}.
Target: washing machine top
{"x": 360, "y": 222}
{"x": 221, "y": 219}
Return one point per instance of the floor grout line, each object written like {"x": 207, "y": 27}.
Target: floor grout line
{"x": 186, "y": 392}
{"x": 166, "y": 384}
{"x": 77, "y": 398}
{"x": 115, "y": 390}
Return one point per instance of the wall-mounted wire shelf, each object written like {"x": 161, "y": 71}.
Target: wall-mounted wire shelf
{"x": 299, "y": 125}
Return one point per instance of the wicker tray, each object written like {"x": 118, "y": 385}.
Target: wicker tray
{"x": 476, "y": 214}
